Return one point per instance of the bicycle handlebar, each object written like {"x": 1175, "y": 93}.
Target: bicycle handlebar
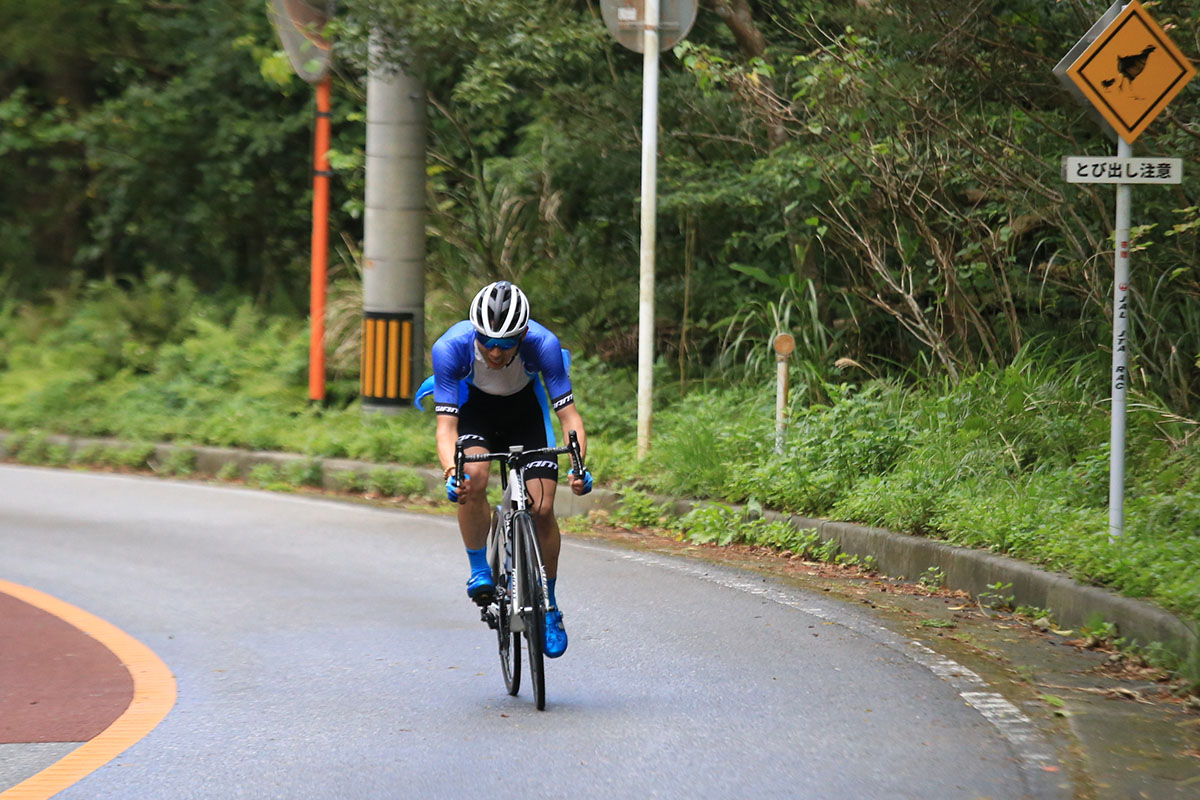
{"x": 572, "y": 449}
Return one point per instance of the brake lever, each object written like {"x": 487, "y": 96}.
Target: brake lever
{"x": 576, "y": 456}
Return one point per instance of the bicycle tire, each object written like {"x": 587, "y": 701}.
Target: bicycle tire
{"x": 509, "y": 642}
{"x": 534, "y": 600}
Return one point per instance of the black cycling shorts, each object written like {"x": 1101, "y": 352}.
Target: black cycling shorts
{"x": 498, "y": 422}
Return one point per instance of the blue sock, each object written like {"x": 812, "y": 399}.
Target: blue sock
{"x": 550, "y": 588}
{"x": 478, "y": 558}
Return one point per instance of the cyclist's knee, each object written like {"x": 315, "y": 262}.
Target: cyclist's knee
{"x": 543, "y": 514}
{"x": 478, "y": 473}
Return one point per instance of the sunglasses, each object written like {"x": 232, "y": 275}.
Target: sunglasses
{"x": 489, "y": 342}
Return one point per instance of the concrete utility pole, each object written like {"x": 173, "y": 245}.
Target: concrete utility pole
{"x": 394, "y": 238}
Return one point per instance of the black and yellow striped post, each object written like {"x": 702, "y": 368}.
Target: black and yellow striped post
{"x": 387, "y": 359}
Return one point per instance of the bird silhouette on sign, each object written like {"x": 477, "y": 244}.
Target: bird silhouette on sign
{"x": 1130, "y": 67}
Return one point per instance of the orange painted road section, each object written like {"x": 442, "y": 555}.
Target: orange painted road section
{"x": 65, "y": 676}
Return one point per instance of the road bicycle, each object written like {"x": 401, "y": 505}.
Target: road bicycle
{"x": 521, "y": 602}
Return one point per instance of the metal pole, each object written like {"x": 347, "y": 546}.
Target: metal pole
{"x": 320, "y": 244}
{"x": 781, "y": 397}
{"x": 649, "y": 210}
{"x": 1120, "y": 357}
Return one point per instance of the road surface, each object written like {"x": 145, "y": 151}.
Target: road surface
{"x": 327, "y": 649}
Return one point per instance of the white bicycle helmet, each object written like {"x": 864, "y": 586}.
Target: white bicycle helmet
{"x": 500, "y": 310}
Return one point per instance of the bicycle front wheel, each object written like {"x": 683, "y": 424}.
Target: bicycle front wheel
{"x": 500, "y": 556}
{"x": 533, "y": 603}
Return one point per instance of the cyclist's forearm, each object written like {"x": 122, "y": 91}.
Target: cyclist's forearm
{"x": 571, "y": 421}
{"x": 447, "y": 436}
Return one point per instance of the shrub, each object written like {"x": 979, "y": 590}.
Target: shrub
{"x": 89, "y": 455}
{"x": 266, "y": 476}
{"x": 348, "y": 480}
{"x": 229, "y": 471}
{"x": 302, "y": 473}
{"x": 180, "y": 461}
{"x": 637, "y": 509}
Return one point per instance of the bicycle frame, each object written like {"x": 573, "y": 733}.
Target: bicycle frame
{"x": 521, "y": 598}
{"x": 516, "y": 500}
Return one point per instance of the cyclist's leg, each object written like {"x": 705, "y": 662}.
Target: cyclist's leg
{"x": 474, "y": 520}
{"x": 474, "y": 515}
{"x": 541, "y": 491}
{"x": 541, "y": 498}
{"x": 530, "y": 426}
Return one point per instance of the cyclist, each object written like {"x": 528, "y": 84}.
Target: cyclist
{"x": 499, "y": 352}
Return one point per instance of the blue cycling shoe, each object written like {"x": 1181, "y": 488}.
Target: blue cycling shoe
{"x": 481, "y": 588}
{"x": 556, "y": 635}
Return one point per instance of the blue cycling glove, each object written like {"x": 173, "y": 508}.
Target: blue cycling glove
{"x": 587, "y": 479}
{"x": 452, "y": 487}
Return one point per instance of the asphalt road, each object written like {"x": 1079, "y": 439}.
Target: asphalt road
{"x": 324, "y": 649}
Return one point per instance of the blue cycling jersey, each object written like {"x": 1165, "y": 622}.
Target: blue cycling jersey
{"x": 456, "y": 358}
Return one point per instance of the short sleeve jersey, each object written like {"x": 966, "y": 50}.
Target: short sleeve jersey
{"x": 455, "y": 357}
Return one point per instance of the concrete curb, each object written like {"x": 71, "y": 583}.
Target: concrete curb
{"x": 898, "y": 555}
{"x": 209, "y": 461}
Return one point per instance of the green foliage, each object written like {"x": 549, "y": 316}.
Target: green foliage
{"x": 391, "y": 482}
{"x": 348, "y": 480}
{"x": 722, "y": 525}
{"x": 91, "y": 455}
{"x": 158, "y": 361}
{"x": 937, "y": 623}
{"x": 229, "y": 471}
{"x": 306, "y": 472}
{"x": 134, "y": 456}
{"x": 267, "y": 476}
{"x": 180, "y": 461}
{"x": 139, "y": 138}
{"x": 932, "y": 579}
{"x": 995, "y": 597}
{"x": 32, "y": 450}
{"x": 703, "y": 438}
{"x": 636, "y": 509}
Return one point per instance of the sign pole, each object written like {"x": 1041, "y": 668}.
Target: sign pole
{"x": 320, "y": 244}
{"x": 1126, "y": 69}
{"x": 1120, "y": 355}
{"x": 784, "y": 344}
{"x": 649, "y": 210}
{"x": 646, "y": 27}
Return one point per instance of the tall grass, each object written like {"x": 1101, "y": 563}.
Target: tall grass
{"x": 1013, "y": 460}
{"x": 160, "y": 362}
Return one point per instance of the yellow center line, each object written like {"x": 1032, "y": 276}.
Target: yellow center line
{"x": 153, "y": 697}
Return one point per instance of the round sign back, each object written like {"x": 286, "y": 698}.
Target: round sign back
{"x": 626, "y": 20}
{"x": 784, "y": 344}
{"x": 300, "y": 24}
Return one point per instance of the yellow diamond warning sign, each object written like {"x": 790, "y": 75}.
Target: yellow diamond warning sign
{"x": 1131, "y": 71}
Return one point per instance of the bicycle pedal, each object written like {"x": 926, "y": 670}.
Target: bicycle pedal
{"x": 490, "y": 618}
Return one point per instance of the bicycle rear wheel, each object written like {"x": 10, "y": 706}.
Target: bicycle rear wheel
{"x": 533, "y": 603}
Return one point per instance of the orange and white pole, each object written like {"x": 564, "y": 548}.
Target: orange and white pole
{"x": 320, "y": 243}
